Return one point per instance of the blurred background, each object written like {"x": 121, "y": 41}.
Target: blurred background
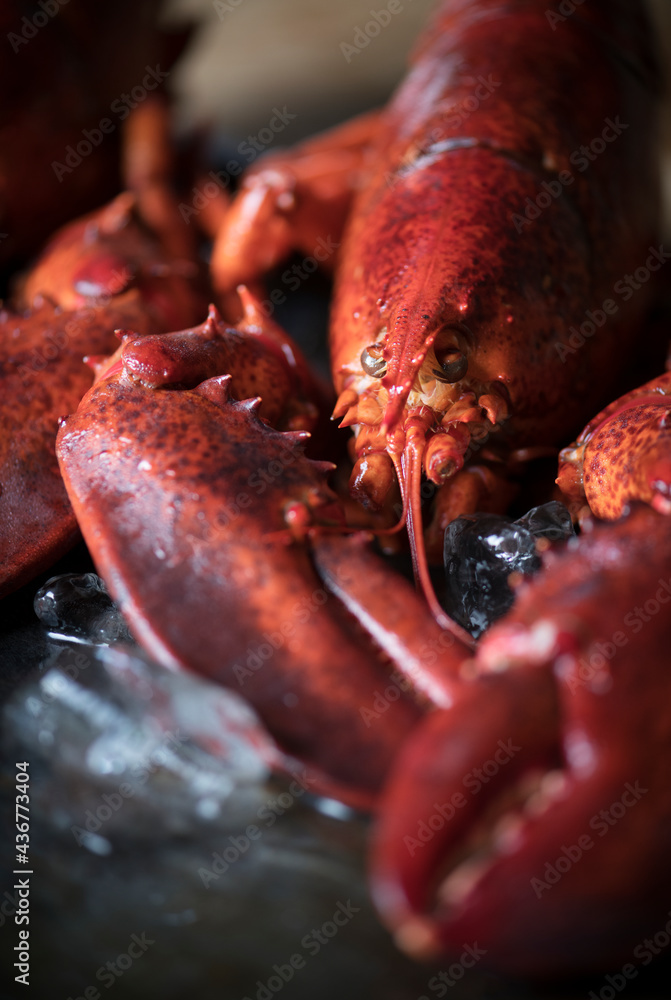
{"x": 297, "y": 58}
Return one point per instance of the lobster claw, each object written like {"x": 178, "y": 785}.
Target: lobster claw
{"x": 457, "y": 765}
{"x": 624, "y": 453}
{"x": 197, "y": 513}
{"x": 565, "y": 871}
{"x": 89, "y": 280}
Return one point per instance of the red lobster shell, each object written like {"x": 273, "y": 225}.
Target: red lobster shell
{"x": 476, "y": 244}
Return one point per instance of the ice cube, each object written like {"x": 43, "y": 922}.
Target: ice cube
{"x": 77, "y": 607}
{"x": 550, "y": 520}
{"x": 482, "y": 550}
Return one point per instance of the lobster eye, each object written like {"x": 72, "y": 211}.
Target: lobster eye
{"x": 453, "y": 365}
{"x": 373, "y": 362}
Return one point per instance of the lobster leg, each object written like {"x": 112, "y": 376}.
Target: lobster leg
{"x": 297, "y": 201}
{"x": 394, "y": 615}
{"x": 148, "y": 170}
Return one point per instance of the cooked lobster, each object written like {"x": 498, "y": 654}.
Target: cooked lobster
{"x": 533, "y": 814}
{"x": 474, "y": 243}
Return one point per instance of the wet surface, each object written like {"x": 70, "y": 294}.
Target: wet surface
{"x": 157, "y": 829}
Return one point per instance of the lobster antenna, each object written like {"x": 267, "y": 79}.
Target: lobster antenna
{"x": 403, "y": 519}
{"x": 409, "y": 473}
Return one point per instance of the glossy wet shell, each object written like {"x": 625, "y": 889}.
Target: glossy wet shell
{"x": 182, "y": 497}
{"x": 622, "y": 456}
{"x": 40, "y": 380}
{"x": 624, "y": 453}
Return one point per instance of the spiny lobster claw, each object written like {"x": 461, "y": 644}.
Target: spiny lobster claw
{"x": 533, "y": 816}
